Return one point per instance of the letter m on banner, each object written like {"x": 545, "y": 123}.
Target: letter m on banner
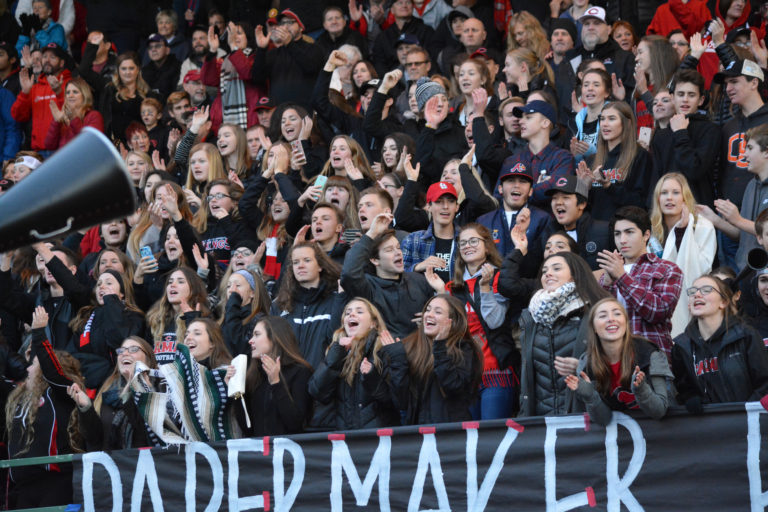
{"x": 341, "y": 460}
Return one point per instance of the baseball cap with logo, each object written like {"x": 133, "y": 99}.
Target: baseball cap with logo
{"x": 406, "y": 38}
{"x": 511, "y": 168}
{"x": 569, "y": 185}
{"x": 739, "y": 67}
{"x": 537, "y": 107}
{"x": 594, "y": 12}
{"x": 264, "y": 103}
{"x": 439, "y": 189}
{"x": 287, "y": 13}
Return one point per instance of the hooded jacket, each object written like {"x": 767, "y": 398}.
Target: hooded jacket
{"x": 35, "y": 106}
{"x": 398, "y": 300}
{"x": 689, "y": 17}
{"x": 734, "y": 176}
{"x": 691, "y": 152}
{"x": 709, "y": 62}
{"x": 732, "y": 366}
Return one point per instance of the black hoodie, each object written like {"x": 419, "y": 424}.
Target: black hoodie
{"x": 692, "y": 152}
{"x": 632, "y": 190}
{"x": 734, "y": 176}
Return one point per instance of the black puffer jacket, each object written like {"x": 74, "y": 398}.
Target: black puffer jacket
{"x": 449, "y": 390}
{"x": 732, "y": 366}
{"x": 371, "y": 400}
{"x": 236, "y": 334}
{"x": 542, "y": 389}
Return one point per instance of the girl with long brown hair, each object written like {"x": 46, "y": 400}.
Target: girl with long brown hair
{"x": 445, "y": 365}
{"x": 184, "y": 300}
{"x": 120, "y": 101}
{"x": 619, "y": 371}
{"x": 362, "y": 366}
{"x": 621, "y": 172}
{"x": 276, "y": 382}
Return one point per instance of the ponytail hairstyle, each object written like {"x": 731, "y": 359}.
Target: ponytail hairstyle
{"x": 536, "y": 66}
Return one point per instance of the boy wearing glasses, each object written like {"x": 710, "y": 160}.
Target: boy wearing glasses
{"x": 648, "y": 286}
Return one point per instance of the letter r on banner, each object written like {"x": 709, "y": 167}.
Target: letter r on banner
{"x": 618, "y": 487}
{"x": 757, "y": 498}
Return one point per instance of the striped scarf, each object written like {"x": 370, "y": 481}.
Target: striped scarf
{"x": 192, "y": 408}
{"x": 234, "y": 105}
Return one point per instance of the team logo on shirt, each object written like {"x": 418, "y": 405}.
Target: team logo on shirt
{"x": 737, "y": 146}
{"x": 708, "y": 365}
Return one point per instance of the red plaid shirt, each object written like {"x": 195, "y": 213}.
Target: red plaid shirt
{"x": 651, "y": 291}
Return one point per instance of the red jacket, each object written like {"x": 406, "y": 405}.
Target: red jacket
{"x": 709, "y": 62}
{"x": 36, "y": 106}
{"x": 61, "y": 133}
{"x": 211, "y": 77}
{"x": 674, "y": 15}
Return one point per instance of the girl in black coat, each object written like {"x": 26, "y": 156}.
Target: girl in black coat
{"x": 445, "y": 364}
{"x": 276, "y": 383}
{"x": 100, "y": 328}
{"x": 360, "y": 371}
{"x": 621, "y": 173}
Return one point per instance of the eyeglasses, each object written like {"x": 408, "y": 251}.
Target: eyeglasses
{"x": 472, "y": 242}
{"x": 417, "y": 63}
{"x": 705, "y": 290}
{"x": 242, "y": 252}
{"x": 130, "y": 350}
{"x": 219, "y": 196}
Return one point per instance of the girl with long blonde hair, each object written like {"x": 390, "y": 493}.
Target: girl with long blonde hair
{"x": 525, "y": 30}
{"x": 682, "y": 236}
{"x": 362, "y": 365}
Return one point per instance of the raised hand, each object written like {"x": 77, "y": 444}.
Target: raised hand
{"x": 638, "y": 377}
{"x": 617, "y": 86}
{"x": 486, "y": 276}
{"x": 391, "y": 78}
{"x": 306, "y": 128}
{"x": 519, "y": 239}
{"x": 365, "y": 366}
{"x": 355, "y": 11}
{"x": 697, "y": 46}
{"x": 262, "y": 39}
{"x": 386, "y": 338}
{"x": 200, "y": 259}
{"x": 566, "y": 365}
{"x": 379, "y": 224}
{"x": 271, "y": 368}
{"x": 353, "y": 173}
{"x": 469, "y": 156}
{"x": 39, "y": 318}
{"x": 678, "y": 122}
{"x": 235, "y": 179}
{"x": 435, "y": 281}
{"x": 433, "y": 114}
{"x": 55, "y": 83}
{"x": 346, "y": 342}
{"x": 410, "y": 172}
{"x": 480, "y": 100}
{"x": 301, "y": 235}
{"x": 58, "y": 114}
{"x": 199, "y": 118}
{"x": 213, "y": 40}
{"x": 25, "y": 80}
{"x": 335, "y": 60}
{"x": 79, "y": 397}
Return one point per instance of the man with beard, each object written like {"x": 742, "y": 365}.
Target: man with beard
{"x": 33, "y": 103}
{"x": 562, "y": 38}
{"x": 197, "y": 55}
{"x": 194, "y": 87}
{"x": 597, "y": 43}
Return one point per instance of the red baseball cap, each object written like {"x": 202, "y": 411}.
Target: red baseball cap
{"x": 290, "y": 14}
{"x": 439, "y": 189}
{"x": 193, "y": 75}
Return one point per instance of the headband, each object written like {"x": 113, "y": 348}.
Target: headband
{"x": 248, "y": 277}
{"x": 29, "y": 161}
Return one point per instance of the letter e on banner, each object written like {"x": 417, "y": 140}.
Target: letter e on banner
{"x": 550, "y": 465}
{"x": 235, "y": 446}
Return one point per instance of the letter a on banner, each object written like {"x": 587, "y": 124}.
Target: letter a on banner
{"x": 429, "y": 460}
{"x": 758, "y": 498}
{"x": 145, "y": 472}
{"x": 618, "y": 488}
{"x": 550, "y": 465}
{"x": 341, "y": 460}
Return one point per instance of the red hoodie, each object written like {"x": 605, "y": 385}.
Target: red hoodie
{"x": 709, "y": 62}
{"x": 675, "y": 15}
{"x": 36, "y": 106}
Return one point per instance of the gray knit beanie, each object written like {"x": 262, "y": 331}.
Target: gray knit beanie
{"x": 425, "y": 89}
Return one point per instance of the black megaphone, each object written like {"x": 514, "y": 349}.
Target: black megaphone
{"x": 83, "y": 184}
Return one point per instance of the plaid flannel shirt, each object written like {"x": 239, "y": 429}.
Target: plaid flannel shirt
{"x": 651, "y": 291}
{"x": 420, "y": 245}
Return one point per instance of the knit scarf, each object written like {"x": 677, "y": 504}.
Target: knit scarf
{"x": 271, "y": 264}
{"x": 546, "y": 307}
{"x": 234, "y": 104}
{"x": 195, "y": 400}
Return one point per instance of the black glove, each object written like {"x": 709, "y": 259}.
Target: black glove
{"x": 26, "y": 24}
{"x": 37, "y": 23}
{"x": 693, "y": 405}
